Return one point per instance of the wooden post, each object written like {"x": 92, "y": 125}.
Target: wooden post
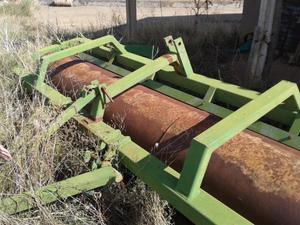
{"x": 131, "y": 17}
{"x": 261, "y": 41}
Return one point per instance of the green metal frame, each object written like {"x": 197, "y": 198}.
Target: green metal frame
{"x": 173, "y": 75}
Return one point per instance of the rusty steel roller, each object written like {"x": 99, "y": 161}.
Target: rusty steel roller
{"x": 254, "y": 175}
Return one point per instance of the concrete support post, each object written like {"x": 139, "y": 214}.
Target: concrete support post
{"x": 131, "y": 17}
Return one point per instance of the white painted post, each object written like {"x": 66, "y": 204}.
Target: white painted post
{"x": 261, "y": 41}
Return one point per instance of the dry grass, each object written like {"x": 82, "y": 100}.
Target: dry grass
{"x": 21, "y": 8}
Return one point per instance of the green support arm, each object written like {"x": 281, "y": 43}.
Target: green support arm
{"x": 60, "y": 190}
{"x": 177, "y": 46}
{"x": 71, "y": 111}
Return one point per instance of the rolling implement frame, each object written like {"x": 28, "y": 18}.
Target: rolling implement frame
{"x": 171, "y": 75}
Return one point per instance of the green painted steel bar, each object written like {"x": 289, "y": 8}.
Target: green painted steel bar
{"x": 104, "y": 64}
{"x": 248, "y": 114}
{"x": 177, "y": 46}
{"x": 140, "y": 75}
{"x": 50, "y": 93}
{"x": 209, "y": 94}
{"x": 204, "y": 144}
{"x": 194, "y": 168}
{"x": 60, "y": 190}
{"x": 228, "y": 94}
{"x": 295, "y": 128}
{"x": 88, "y": 45}
{"x": 61, "y": 46}
{"x": 71, "y": 111}
{"x": 203, "y": 209}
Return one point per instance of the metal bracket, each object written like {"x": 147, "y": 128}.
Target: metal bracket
{"x": 177, "y": 47}
{"x": 99, "y": 102}
{"x": 94, "y": 94}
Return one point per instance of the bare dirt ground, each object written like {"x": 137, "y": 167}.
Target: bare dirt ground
{"x": 105, "y": 16}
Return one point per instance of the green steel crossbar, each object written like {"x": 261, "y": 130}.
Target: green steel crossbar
{"x": 61, "y": 46}
{"x": 71, "y": 111}
{"x": 60, "y": 190}
{"x": 174, "y": 70}
{"x": 82, "y": 47}
{"x": 144, "y": 73}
